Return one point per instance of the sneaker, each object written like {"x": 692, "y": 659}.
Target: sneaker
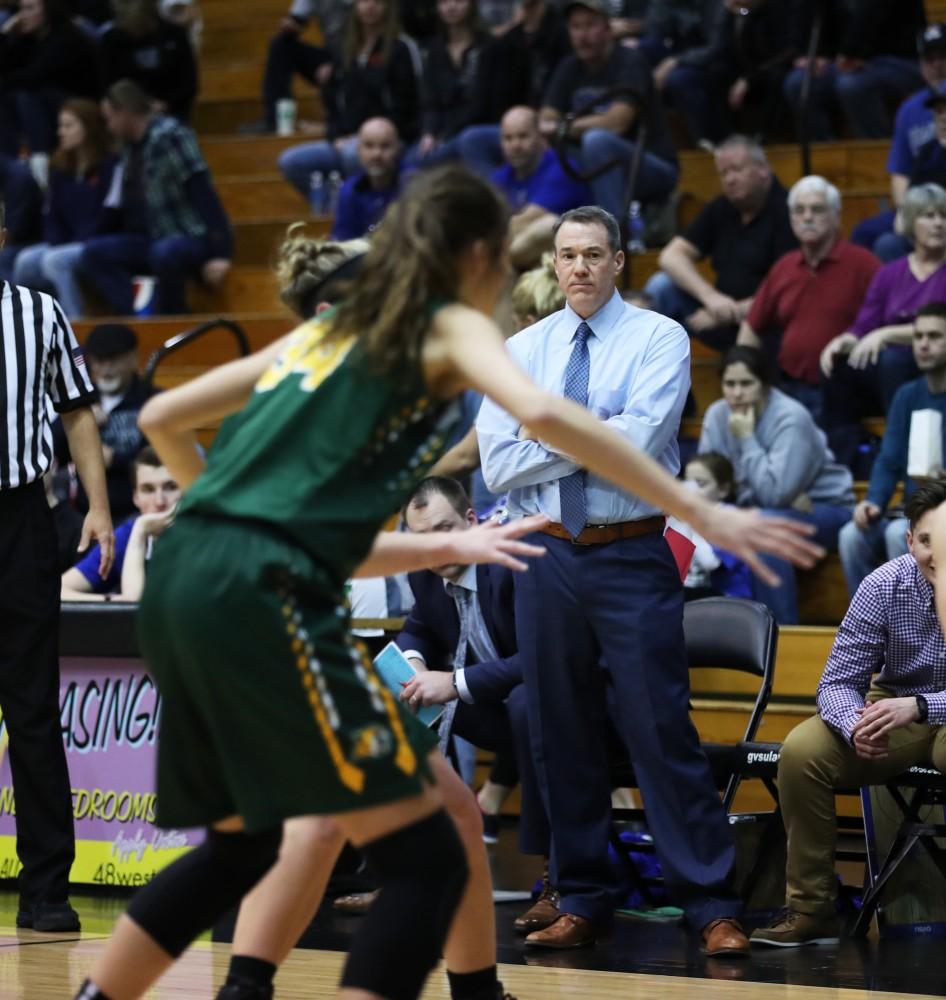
{"x": 48, "y": 917}
{"x": 490, "y": 828}
{"x": 792, "y": 929}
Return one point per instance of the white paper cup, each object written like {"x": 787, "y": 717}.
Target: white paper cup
{"x": 285, "y": 116}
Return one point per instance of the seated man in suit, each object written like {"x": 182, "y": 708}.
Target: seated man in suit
{"x": 472, "y": 605}
{"x": 464, "y": 614}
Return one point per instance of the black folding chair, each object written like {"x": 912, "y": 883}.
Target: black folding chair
{"x": 721, "y": 633}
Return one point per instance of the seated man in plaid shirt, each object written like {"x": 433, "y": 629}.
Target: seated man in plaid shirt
{"x": 163, "y": 214}
{"x": 881, "y": 710}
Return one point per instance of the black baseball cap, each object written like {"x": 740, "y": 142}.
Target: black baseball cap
{"x": 109, "y": 340}
{"x": 932, "y": 39}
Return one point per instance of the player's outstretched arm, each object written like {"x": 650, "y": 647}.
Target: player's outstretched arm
{"x": 399, "y": 552}
{"x": 170, "y": 419}
{"x": 468, "y": 345}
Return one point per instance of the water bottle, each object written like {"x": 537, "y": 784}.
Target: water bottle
{"x": 334, "y": 187}
{"x": 317, "y": 192}
{"x": 635, "y": 228}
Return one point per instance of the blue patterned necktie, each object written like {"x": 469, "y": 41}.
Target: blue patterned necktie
{"x": 571, "y": 489}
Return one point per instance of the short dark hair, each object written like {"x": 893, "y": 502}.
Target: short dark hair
{"x": 935, "y": 309}
{"x": 757, "y": 361}
{"x": 720, "y": 468}
{"x": 126, "y": 95}
{"x": 147, "y": 456}
{"x": 590, "y": 215}
{"x": 452, "y": 491}
{"x": 925, "y": 498}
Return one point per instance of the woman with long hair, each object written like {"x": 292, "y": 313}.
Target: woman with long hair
{"x": 268, "y": 709}
{"x": 80, "y": 175}
{"x": 451, "y": 69}
{"x": 782, "y": 462}
{"x": 376, "y": 76}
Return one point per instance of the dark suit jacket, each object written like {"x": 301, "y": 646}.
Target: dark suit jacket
{"x": 433, "y": 629}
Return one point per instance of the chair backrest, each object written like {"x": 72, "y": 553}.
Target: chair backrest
{"x": 731, "y": 633}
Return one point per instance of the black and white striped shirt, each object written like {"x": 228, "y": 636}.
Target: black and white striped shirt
{"x": 41, "y": 363}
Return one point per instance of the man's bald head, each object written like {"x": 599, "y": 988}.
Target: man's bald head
{"x": 379, "y": 150}
{"x": 523, "y": 145}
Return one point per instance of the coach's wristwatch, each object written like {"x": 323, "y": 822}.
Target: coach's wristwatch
{"x": 922, "y": 708}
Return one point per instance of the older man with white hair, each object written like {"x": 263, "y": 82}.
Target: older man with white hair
{"x": 811, "y": 294}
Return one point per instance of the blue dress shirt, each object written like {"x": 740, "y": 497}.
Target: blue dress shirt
{"x": 640, "y": 374}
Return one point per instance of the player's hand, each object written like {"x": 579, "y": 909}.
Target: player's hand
{"x": 841, "y": 344}
{"x": 97, "y": 527}
{"x": 867, "y": 350}
{"x": 746, "y": 533}
{"x": 865, "y": 513}
{"x": 496, "y": 543}
{"x": 435, "y": 687}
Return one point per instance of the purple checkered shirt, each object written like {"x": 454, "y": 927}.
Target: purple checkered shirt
{"x": 891, "y": 630}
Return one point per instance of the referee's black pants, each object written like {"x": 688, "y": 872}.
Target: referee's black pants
{"x": 29, "y": 693}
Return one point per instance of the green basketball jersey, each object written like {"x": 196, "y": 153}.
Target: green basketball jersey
{"x": 326, "y": 449}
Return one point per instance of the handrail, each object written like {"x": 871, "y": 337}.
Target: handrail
{"x": 181, "y": 340}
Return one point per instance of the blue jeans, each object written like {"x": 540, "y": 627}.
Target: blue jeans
{"x": 657, "y": 177}
{"x": 821, "y": 104}
{"x": 299, "y": 163}
{"x": 622, "y": 601}
{"x": 828, "y": 519}
{"x": 687, "y": 92}
{"x": 109, "y": 263}
{"x": 863, "y": 95}
{"x": 52, "y": 269}
{"x": 863, "y": 551}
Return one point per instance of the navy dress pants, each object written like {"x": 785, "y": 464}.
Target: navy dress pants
{"x": 622, "y": 601}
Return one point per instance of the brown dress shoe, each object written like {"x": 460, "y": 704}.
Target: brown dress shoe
{"x": 544, "y": 910}
{"x": 356, "y": 904}
{"x": 568, "y": 931}
{"x": 725, "y": 936}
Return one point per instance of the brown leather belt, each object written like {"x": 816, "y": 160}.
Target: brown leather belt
{"x": 601, "y": 534}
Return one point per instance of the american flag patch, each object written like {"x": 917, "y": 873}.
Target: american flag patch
{"x": 78, "y": 357}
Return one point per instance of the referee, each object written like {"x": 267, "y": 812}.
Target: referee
{"x": 40, "y": 364}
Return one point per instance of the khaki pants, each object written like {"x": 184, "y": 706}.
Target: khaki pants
{"x": 814, "y": 762}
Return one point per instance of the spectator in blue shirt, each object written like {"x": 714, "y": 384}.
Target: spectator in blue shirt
{"x": 156, "y": 495}
{"x": 537, "y": 186}
{"x": 364, "y": 198}
{"x": 873, "y": 536}
{"x": 913, "y": 129}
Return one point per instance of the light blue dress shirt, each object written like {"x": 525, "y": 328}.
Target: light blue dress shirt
{"x": 640, "y": 374}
